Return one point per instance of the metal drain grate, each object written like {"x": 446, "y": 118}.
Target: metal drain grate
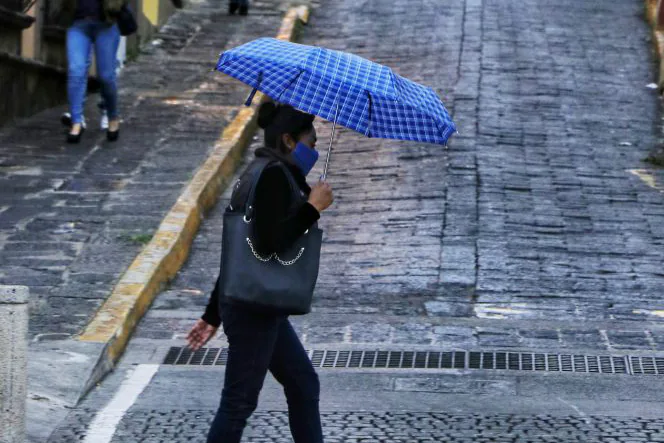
{"x": 381, "y": 359}
{"x": 647, "y": 365}
{"x": 202, "y": 357}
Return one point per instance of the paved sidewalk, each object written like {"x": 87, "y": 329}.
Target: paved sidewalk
{"x": 73, "y": 217}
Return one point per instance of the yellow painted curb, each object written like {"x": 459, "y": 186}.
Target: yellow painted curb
{"x": 290, "y": 25}
{"x": 161, "y": 259}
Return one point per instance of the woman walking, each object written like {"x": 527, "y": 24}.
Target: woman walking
{"x": 260, "y": 340}
{"x": 92, "y": 22}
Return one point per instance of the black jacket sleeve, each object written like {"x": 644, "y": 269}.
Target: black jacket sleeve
{"x": 274, "y": 227}
{"x": 211, "y": 315}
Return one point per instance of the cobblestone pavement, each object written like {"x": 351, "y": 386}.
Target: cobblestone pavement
{"x": 564, "y": 229}
{"x": 158, "y": 426}
{"x": 72, "y": 218}
{"x": 531, "y": 217}
{"x": 533, "y": 203}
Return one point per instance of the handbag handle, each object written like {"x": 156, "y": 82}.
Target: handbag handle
{"x": 248, "y": 208}
{"x": 255, "y": 176}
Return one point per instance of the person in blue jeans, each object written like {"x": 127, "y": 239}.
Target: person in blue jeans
{"x": 259, "y": 340}
{"x": 92, "y": 22}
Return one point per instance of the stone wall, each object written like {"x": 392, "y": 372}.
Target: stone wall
{"x": 28, "y": 87}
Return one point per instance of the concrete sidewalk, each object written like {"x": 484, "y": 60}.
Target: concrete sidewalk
{"x": 74, "y": 217}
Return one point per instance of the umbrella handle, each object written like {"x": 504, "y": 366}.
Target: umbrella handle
{"x": 329, "y": 149}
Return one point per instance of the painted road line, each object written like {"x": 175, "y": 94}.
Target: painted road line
{"x": 103, "y": 426}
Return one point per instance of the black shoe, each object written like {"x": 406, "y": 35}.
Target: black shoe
{"x": 65, "y": 119}
{"x": 75, "y": 138}
{"x": 244, "y": 10}
{"x": 112, "y": 136}
{"x": 232, "y": 7}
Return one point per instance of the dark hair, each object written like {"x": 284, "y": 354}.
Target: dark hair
{"x": 277, "y": 120}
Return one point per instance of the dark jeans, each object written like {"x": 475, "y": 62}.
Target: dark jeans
{"x": 258, "y": 343}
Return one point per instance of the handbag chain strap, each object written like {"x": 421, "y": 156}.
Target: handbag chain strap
{"x": 274, "y": 255}
{"x": 290, "y": 262}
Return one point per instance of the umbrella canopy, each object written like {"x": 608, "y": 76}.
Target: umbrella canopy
{"x": 350, "y": 90}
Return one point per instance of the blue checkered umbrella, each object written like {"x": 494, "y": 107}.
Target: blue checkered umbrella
{"x": 344, "y": 88}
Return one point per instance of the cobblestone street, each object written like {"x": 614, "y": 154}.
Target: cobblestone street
{"x": 538, "y": 229}
{"x": 416, "y": 427}
{"x": 533, "y": 216}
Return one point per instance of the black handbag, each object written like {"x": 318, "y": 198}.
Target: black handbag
{"x": 281, "y": 283}
{"x": 126, "y": 21}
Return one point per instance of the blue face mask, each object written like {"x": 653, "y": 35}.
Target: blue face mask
{"x": 304, "y": 157}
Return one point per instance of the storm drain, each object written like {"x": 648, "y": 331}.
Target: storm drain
{"x": 379, "y": 359}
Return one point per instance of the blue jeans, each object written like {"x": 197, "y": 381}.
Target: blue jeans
{"x": 258, "y": 343}
{"x": 106, "y": 39}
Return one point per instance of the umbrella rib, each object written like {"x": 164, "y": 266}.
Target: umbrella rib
{"x": 394, "y": 84}
{"x": 290, "y": 84}
{"x": 253, "y": 91}
{"x": 368, "y": 134}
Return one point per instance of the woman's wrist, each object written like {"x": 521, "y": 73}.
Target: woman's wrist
{"x": 211, "y": 319}
{"x": 317, "y": 208}
{"x": 315, "y": 214}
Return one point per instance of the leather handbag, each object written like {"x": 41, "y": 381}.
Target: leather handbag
{"x": 126, "y": 21}
{"x": 281, "y": 283}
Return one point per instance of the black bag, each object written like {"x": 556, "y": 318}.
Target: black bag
{"x": 126, "y": 21}
{"x": 280, "y": 283}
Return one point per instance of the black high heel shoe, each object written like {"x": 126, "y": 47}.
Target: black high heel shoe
{"x": 75, "y": 138}
{"x": 113, "y": 136}
{"x": 232, "y": 7}
{"x": 244, "y": 10}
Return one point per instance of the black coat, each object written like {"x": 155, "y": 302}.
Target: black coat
{"x": 276, "y": 226}
{"x": 110, "y": 10}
